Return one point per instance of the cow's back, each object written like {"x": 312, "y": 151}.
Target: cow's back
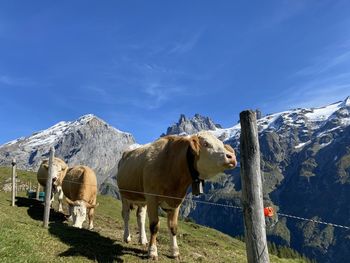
{"x": 80, "y": 184}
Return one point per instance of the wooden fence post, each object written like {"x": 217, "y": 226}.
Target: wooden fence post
{"x": 13, "y": 181}
{"x": 48, "y": 190}
{"x": 252, "y": 193}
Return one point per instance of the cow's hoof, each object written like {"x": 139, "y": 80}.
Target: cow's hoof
{"x": 155, "y": 258}
{"x": 177, "y": 258}
{"x": 143, "y": 242}
{"x": 174, "y": 252}
{"x": 175, "y": 255}
{"x": 127, "y": 239}
{"x": 153, "y": 253}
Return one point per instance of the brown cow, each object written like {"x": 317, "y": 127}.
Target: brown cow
{"x": 151, "y": 175}
{"x": 59, "y": 169}
{"x": 80, "y": 188}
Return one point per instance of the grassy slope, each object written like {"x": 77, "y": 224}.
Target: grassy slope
{"x": 23, "y": 239}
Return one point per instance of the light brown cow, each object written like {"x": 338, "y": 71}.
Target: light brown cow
{"x": 59, "y": 169}
{"x": 151, "y": 175}
{"x": 80, "y": 188}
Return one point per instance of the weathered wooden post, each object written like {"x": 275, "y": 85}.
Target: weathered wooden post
{"x": 13, "y": 181}
{"x": 48, "y": 190}
{"x": 252, "y": 193}
{"x": 37, "y": 191}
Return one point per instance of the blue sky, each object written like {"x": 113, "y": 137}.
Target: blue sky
{"x": 140, "y": 64}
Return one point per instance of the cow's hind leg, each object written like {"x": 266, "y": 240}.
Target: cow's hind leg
{"x": 172, "y": 225}
{"x": 126, "y": 215}
{"x": 91, "y": 218}
{"x": 152, "y": 210}
{"x": 141, "y": 218}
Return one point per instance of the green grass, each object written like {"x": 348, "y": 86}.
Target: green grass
{"x": 23, "y": 239}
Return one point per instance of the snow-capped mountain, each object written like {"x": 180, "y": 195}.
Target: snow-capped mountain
{"x": 88, "y": 140}
{"x": 307, "y": 121}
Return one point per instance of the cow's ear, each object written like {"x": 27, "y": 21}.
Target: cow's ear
{"x": 229, "y": 148}
{"x": 194, "y": 144}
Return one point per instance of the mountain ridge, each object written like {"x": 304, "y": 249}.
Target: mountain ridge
{"x": 305, "y": 154}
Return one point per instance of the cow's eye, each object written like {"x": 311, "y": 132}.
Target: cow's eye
{"x": 207, "y": 145}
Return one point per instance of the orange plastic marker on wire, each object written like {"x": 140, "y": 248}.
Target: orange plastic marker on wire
{"x": 269, "y": 211}
{"x": 271, "y": 218}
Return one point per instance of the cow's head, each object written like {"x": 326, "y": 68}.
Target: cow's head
{"x": 212, "y": 155}
{"x": 59, "y": 170}
{"x": 77, "y": 210}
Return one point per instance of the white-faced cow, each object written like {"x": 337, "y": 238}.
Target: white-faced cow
{"x": 80, "y": 188}
{"x": 59, "y": 170}
{"x": 151, "y": 175}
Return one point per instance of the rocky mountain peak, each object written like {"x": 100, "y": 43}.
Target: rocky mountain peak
{"x": 88, "y": 140}
{"x": 89, "y": 119}
{"x": 192, "y": 125}
{"x": 85, "y": 119}
{"x": 346, "y": 102}
{"x": 182, "y": 118}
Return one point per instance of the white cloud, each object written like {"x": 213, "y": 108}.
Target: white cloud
{"x": 325, "y": 80}
{"x": 187, "y": 44}
{"x": 325, "y": 64}
{"x": 316, "y": 92}
{"x": 19, "y": 82}
{"x": 283, "y": 11}
{"x": 159, "y": 94}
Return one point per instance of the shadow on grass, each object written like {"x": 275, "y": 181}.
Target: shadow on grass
{"x": 91, "y": 244}
{"x": 36, "y": 210}
{"x": 82, "y": 242}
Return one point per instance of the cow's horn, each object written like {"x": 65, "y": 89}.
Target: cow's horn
{"x": 70, "y": 202}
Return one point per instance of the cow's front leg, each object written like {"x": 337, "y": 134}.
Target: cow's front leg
{"x": 60, "y": 199}
{"x": 141, "y": 218}
{"x": 152, "y": 210}
{"x": 52, "y": 197}
{"x": 172, "y": 225}
{"x": 70, "y": 210}
{"x": 126, "y": 215}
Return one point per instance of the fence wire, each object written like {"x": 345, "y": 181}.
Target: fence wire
{"x": 191, "y": 199}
